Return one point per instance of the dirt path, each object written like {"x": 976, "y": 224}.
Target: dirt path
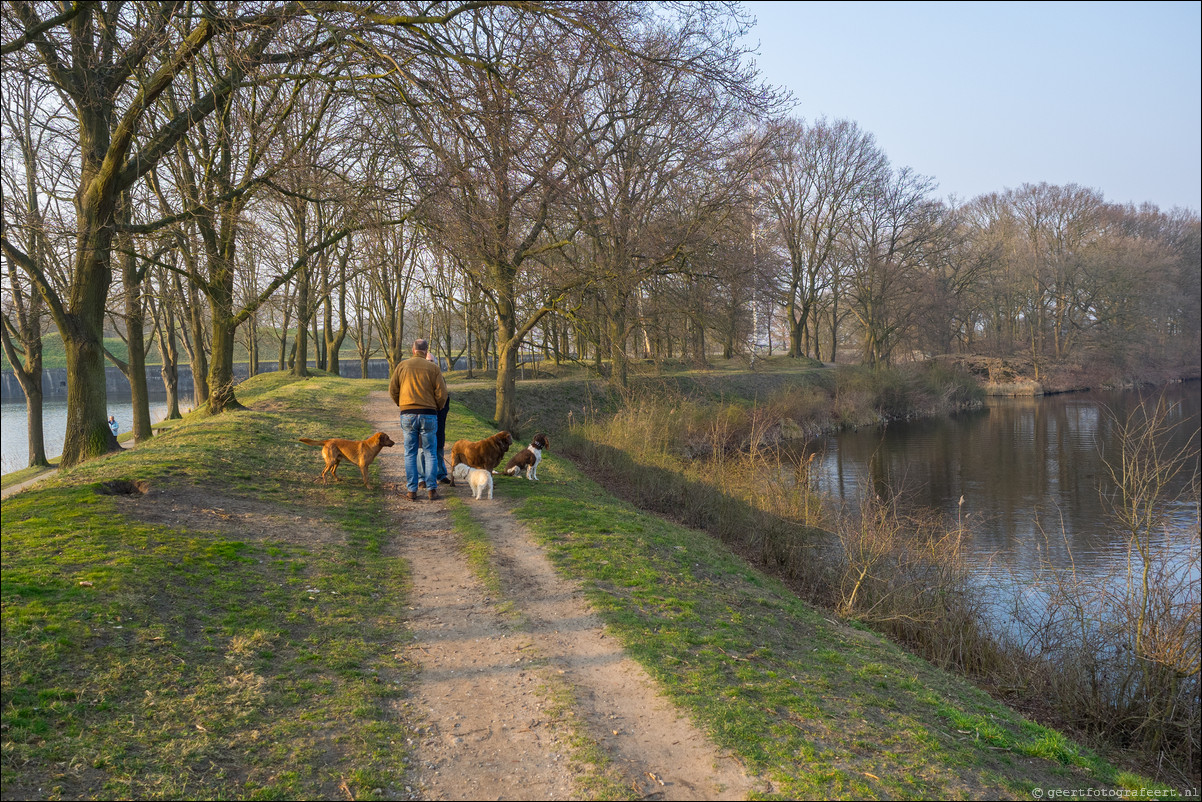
{"x": 491, "y": 670}
{"x": 26, "y": 484}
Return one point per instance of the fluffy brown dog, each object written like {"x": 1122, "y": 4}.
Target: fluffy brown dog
{"x": 484, "y": 454}
{"x": 359, "y": 452}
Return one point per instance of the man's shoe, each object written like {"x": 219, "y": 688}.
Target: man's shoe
{"x": 433, "y": 494}
{"x": 444, "y": 481}
{"x": 421, "y": 485}
{"x": 412, "y": 496}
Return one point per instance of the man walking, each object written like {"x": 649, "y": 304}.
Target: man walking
{"x": 419, "y": 389}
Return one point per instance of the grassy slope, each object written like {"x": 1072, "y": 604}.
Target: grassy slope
{"x": 199, "y": 665}
{"x": 552, "y": 403}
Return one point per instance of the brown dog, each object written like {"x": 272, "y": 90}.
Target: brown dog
{"x": 484, "y": 454}
{"x": 359, "y": 452}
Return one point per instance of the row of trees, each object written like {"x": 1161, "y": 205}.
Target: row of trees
{"x": 601, "y": 181}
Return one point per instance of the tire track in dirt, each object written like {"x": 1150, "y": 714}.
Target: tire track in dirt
{"x": 483, "y": 675}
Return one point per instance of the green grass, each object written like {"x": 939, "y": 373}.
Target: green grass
{"x": 16, "y": 477}
{"x": 153, "y": 660}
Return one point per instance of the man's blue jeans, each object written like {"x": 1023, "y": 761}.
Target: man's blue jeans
{"x": 419, "y": 431}
{"x": 423, "y": 456}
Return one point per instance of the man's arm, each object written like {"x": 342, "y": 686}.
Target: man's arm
{"x": 394, "y": 386}
{"x": 442, "y": 396}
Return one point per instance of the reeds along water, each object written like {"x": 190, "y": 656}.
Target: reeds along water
{"x": 1118, "y": 658}
{"x": 1121, "y": 653}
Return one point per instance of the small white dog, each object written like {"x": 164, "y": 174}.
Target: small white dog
{"x": 477, "y": 479}
{"x": 480, "y": 480}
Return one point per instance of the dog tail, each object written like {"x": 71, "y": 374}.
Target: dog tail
{"x": 307, "y": 441}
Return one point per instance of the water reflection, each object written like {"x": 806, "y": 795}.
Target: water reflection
{"x": 1031, "y": 472}
{"x": 14, "y": 446}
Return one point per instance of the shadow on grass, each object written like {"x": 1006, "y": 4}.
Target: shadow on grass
{"x": 791, "y": 551}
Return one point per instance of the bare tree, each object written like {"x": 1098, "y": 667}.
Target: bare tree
{"x": 23, "y": 309}
{"x": 1057, "y": 221}
{"x": 497, "y": 139}
{"x": 109, "y": 63}
{"x": 815, "y": 187}
{"x": 887, "y": 245}
{"x": 666, "y": 161}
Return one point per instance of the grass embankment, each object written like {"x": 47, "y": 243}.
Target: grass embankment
{"x": 816, "y": 399}
{"x": 232, "y": 633}
{"x": 16, "y": 477}
{"x": 824, "y": 709}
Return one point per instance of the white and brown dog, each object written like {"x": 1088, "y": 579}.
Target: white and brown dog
{"x": 528, "y": 458}
{"x": 478, "y": 480}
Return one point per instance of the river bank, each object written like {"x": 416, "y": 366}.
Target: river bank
{"x": 1018, "y": 375}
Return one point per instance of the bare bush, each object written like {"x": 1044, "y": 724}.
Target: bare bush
{"x": 905, "y": 573}
{"x": 1118, "y": 651}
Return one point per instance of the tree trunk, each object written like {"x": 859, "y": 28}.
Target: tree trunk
{"x": 331, "y": 348}
{"x": 319, "y": 352}
{"x": 82, "y": 329}
{"x": 139, "y": 392}
{"x": 170, "y": 368}
{"x": 135, "y": 332}
{"x": 618, "y": 375}
{"x": 88, "y": 433}
{"x": 221, "y": 299}
{"x": 221, "y": 371}
{"x": 28, "y": 371}
{"x": 33, "y": 415}
{"x": 196, "y": 351}
{"x": 29, "y": 376}
{"x": 300, "y": 367}
{"x": 505, "y": 411}
{"x": 507, "y": 344}
{"x": 834, "y": 324}
{"x": 794, "y": 338}
{"x": 284, "y": 364}
{"x": 252, "y": 345}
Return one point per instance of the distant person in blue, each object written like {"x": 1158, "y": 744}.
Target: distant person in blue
{"x": 113, "y": 425}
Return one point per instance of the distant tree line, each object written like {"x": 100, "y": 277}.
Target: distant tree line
{"x": 599, "y": 181}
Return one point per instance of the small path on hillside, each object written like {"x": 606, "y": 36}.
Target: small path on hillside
{"x": 488, "y": 676}
{"x": 26, "y": 483}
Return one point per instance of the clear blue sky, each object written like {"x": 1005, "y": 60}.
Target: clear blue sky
{"x": 985, "y": 96}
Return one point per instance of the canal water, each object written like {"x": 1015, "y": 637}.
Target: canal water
{"x": 1032, "y": 473}
{"x": 14, "y": 436}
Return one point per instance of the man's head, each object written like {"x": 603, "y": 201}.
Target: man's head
{"x": 420, "y": 347}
